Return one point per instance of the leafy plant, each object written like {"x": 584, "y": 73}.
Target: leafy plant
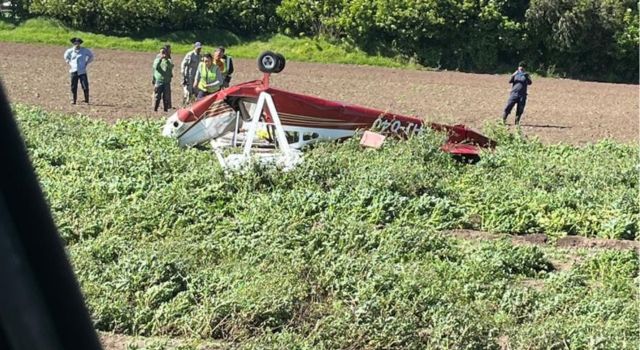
{"x": 348, "y": 249}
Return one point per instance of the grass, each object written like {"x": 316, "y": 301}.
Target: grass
{"x": 44, "y": 31}
{"x": 346, "y": 251}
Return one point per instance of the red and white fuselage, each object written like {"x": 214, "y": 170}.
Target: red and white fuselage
{"x": 305, "y": 119}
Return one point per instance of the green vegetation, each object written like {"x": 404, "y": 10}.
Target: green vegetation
{"x": 316, "y": 50}
{"x": 46, "y": 31}
{"x": 588, "y": 39}
{"x": 592, "y": 39}
{"x": 301, "y": 49}
{"x": 346, "y": 251}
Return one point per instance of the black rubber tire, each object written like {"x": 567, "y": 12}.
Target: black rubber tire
{"x": 268, "y": 62}
{"x": 281, "y": 63}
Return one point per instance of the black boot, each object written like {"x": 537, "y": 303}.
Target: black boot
{"x": 156, "y": 105}
{"x": 86, "y": 96}
{"x": 74, "y": 97}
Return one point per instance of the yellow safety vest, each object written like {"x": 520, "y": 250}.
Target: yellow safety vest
{"x": 207, "y": 76}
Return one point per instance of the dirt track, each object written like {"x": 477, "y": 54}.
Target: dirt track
{"x": 557, "y": 110}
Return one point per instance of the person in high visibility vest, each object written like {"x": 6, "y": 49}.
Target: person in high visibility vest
{"x": 208, "y": 77}
{"x": 225, "y": 64}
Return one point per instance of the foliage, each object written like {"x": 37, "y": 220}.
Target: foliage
{"x": 39, "y": 30}
{"x": 595, "y": 39}
{"x": 136, "y": 17}
{"x": 345, "y": 251}
{"x": 46, "y": 31}
{"x": 588, "y": 39}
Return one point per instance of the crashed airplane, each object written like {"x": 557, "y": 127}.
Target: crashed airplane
{"x": 287, "y": 121}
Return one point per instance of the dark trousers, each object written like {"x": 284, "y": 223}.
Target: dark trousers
{"x": 202, "y": 94}
{"x": 515, "y": 99}
{"x": 84, "y": 81}
{"x": 167, "y": 95}
{"x": 226, "y": 81}
{"x": 162, "y": 92}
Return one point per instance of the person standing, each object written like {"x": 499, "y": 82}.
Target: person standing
{"x": 208, "y": 78}
{"x": 162, "y": 74}
{"x": 519, "y": 81}
{"x": 189, "y": 68}
{"x": 78, "y": 58}
{"x": 167, "y": 55}
{"x": 225, "y": 64}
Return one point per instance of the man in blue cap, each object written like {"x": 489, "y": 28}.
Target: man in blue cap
{"x": 78, "y": 59}
{"x": 519, "y": 81}
{"x": 189, "y": 67}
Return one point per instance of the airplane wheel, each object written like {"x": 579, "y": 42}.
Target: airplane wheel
{"x": 268, "y": 62}
{"x": 281, "y": 63}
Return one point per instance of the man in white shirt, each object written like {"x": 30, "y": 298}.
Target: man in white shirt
{"x": 78, "y": 59}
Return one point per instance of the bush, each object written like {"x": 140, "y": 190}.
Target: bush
{"x": 345, "y": 250}
{"x": 593, "y": 39}
{"x": 131, "y": 17}
{"x": 585, "y": 38}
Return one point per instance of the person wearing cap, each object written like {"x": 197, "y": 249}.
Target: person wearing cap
{"x": 162, "y": 74}
{"x": 78, "y": 58}
{"x": 208, "y": 78}
{"x": 519, "y": 81}
{"x": 189, "y": 67}
{"x": 225, "y": 64}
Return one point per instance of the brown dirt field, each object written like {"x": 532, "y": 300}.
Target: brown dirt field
{"x": 557, "y": 110}
{"x": 569, "y": 244}
{"x": 540, "y": 239}
{"x": 113, "y": 341}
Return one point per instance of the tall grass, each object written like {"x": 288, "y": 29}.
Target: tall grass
{"x": 52, "y": 32}
{"x": 344, "y": 251}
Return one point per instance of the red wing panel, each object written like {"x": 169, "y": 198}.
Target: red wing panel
{"x": 313, "y": 112}
{"x": 307, "y": 111}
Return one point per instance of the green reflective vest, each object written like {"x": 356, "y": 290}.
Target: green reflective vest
{"x": 208, "y": 76}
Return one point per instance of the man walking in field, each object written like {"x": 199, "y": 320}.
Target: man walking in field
{"x": 162, "y": 74}
{"x": 78, "y": 58}
{"x": 189, "y": 67}
{"x": 520, "y": 80}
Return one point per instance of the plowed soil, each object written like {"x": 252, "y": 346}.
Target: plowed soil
{"x": 558, "y": 110}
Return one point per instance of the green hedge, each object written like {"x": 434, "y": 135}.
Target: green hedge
{"x": 159, "y": 16}
{"x": 594, "y": 39}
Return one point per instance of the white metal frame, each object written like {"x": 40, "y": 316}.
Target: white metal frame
{"x": 288, "y": 157}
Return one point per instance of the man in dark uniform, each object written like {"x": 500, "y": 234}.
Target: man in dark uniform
{"x": 519, "y": 81}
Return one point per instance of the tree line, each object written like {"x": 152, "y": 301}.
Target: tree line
{"x": 586, "y": 39}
